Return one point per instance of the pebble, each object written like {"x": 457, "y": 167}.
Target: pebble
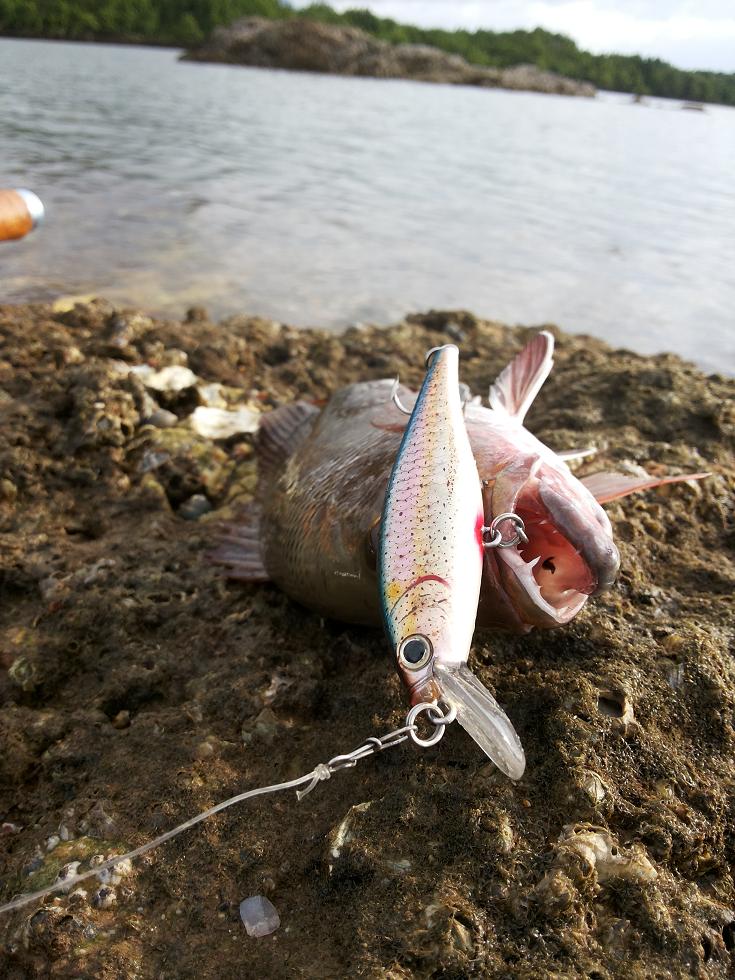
{"x": 266, "y": 726}
{"x": 205, "y": 750}
{"x": 152, "y": 460}
{"x": 161, "y": 418}
{"x": 195, "y": 507}
{"x": 259, "y": 916}
{"x": 32, "y": 866}
{"x": 104, "y": 897}
{"x": 8, "y": 490}
{"x": 68, "y": 872}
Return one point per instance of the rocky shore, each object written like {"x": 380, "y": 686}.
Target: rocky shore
{"x": 304, "y": 45}
{"x": 137, "y": 687}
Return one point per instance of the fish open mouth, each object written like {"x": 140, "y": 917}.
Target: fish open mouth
{"x": 563, "y": 562}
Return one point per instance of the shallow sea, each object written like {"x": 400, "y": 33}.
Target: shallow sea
{"x": 328, "y": 201}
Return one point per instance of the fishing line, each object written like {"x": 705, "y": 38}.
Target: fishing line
{"x": 323, "y": 771}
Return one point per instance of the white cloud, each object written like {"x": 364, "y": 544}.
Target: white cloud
{"x": 687, "y": 33}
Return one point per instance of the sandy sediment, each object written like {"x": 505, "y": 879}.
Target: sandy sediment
{"x": 137, "y": 687}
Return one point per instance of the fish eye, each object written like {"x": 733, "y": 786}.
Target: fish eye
{"x": 415, "y": 651}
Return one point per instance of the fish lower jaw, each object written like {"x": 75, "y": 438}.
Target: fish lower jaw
{"x": 560, "y": 613}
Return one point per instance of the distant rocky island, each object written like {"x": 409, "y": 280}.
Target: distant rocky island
{"x": 305, "y": 45}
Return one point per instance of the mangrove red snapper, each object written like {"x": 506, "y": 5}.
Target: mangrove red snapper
{"x": 314, "y": 526}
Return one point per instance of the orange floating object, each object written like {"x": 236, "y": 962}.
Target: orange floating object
{"x": 20, "y": 212}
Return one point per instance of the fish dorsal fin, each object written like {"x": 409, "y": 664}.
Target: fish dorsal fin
{"x": 280, "y": 433}
{"x": 519, "y": 383}
{"x": 605, "y": 487}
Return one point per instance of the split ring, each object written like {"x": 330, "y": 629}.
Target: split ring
{"x": 496, "y": 536}
{"x": 433, "y": 710}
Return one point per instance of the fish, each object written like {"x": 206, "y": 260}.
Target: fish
{"x": 313, "y": 527}
{"x": 430, "y": 560}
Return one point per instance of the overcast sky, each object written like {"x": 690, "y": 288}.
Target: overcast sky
{"x": 688, "y": 33}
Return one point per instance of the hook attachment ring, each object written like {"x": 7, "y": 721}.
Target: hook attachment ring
{"x": 438, "y": 718}
{"x": 495, "y": 539}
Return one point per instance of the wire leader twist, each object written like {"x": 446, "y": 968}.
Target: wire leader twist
{"x": 321, "y": 772}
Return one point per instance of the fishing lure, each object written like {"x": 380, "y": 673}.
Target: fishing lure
{"x": 432, "y": 545}
{"x": 314, "y": 526}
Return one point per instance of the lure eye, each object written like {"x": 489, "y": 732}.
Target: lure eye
{"x": 414, "y": 652}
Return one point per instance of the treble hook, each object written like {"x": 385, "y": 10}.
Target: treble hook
{"x": 465, "y": 394}
{"x": 435, "y": 350}
{"x": 396, "y": 400}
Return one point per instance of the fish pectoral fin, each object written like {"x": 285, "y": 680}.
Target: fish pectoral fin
{"x": 518, "y": 384}
{"x": 482, "y": 717}
{"x": 570, "y": 454}
{"x": 239, "y": 548}
{"x": 605, "y": 487}
{"x": 280, "y": 433}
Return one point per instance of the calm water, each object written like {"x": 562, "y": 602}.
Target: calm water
{"x": 329, "y": 201}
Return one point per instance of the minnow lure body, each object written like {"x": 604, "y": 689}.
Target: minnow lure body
{"x": 431, "y": 547}
{"x": 431, "y": 558}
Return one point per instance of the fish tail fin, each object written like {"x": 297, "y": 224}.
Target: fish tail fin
{"x": 279, "y": 434}
{"x": 482, "y": 717}
{"x": 518, "y": 384}
{"x": 239, "y": 548}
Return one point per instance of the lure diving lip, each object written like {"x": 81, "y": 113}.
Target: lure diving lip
{"x": 20, "y": 212}
{"x": 430, "y": 562}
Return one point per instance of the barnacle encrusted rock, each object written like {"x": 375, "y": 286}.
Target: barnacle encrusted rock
{"x": 306, "y": 45}
{"x": 123, "y": 652}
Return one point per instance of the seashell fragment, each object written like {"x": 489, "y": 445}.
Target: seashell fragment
{"x": 218, "y": 423}
{"x": 343, "y": 833}
{"x": 175, "y": 377}
{"x": 615, "y": 704}
{"x": 600, "y": 852}
{"x": 593, "y": 786}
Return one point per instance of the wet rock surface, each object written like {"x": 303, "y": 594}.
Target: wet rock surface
{"x": 138, "y": 688}
{"x": 305, "y": 45}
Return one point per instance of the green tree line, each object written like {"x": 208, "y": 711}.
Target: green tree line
{"x": 187, "y": 22}
{"x": 177, "y": 22}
